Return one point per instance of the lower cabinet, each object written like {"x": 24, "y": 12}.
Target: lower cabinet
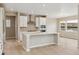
{"x": 1, "y": 48}
{"x": 68, "y": 43}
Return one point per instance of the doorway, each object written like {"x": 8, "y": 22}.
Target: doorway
{"x": 10, "y": 27}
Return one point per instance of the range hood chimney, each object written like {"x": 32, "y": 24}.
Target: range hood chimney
{"x": 31, "y": 19}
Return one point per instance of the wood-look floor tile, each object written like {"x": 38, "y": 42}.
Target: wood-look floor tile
{"x": 12, "y": 47}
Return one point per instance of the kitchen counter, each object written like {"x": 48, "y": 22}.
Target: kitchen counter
{"x": 1, "y": 44}
{"x": 38, "y": 33}
{"x": 69, "y": 34}
{"x": 38, "y": 39}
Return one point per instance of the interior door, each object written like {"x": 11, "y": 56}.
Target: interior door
{"x": 10, "y": 27}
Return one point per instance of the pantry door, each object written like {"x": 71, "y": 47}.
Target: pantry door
{"x": 10, "y": 27}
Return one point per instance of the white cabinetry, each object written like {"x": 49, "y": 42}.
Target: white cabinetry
{"x": 23, "y": 21}
{"x": 1, "y": 43}
{"x": 42, "y": 20}
{"x": 68, "y": 43}
{"x": 37, "y": 21}
{"x": 1, "y": 29}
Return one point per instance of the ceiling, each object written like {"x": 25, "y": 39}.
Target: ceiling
{"x": 51, "y": 9}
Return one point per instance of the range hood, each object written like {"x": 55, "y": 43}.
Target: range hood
{"x": 31, "y": 24}
{"x": 31, "y": 20}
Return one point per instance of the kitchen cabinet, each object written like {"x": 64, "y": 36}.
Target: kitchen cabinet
{"x": 37, "y": 21}
{"x": 1, "y": 29}
{"x": 68, "y": 43}
{"x": 42, "y": 20}
{"x": 23, "y": 21}
{"x": 1, "y": 43}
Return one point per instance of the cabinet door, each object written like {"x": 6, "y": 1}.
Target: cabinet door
{"x": 23, "y": 21}
{"x": 42, "y": 21}
{"x": 1, "y": 20}
{"x": 1, "y": 28}
{"x": 37, "y": 21}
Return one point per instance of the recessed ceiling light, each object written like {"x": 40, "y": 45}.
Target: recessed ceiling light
{"x": 44, "y": 5}
{"x": 46, "y": 14}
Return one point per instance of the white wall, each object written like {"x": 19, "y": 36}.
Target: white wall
{"x": 51, "y": 25}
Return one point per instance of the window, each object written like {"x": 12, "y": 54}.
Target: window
{"x": 69, "y": 25}
{"x": 62, "y": 25}
{"x": 8, "y": 23}
{"x": 72, "y": 25}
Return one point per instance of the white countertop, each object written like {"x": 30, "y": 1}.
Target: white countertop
{"x": 36, "y": 39}
{"x": 38, "y": 33}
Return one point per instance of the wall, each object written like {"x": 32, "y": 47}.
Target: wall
{"x": 51, "y": 25}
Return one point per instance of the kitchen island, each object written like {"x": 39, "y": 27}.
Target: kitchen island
{"x": 38, "y": 39}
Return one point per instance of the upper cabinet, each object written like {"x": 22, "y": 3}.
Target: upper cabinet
{"x": 31, "y": 22}
{"x": 1, "y": 19}
{"x": 23, "y": 21}
{"x": 42, "y": 20}
{"x": 37, "y": 21}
